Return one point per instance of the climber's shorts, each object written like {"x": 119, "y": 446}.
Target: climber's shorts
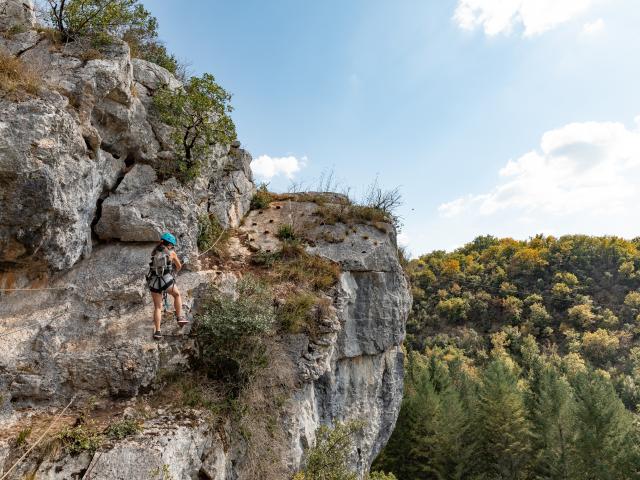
{"x": 160, "y": 284}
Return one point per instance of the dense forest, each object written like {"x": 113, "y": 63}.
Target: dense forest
{"x": 523, "y": 362}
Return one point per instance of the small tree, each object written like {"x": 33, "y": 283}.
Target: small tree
{"x": 328, "y": 458}
{"x": 74, "y": 18}
{"x": 199, "y": 115}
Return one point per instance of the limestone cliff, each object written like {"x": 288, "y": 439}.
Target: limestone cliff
{"x": 81, "y": 200}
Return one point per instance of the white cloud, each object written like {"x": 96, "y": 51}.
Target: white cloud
{"x": 586, "y": 172}
{"x": 266, "y": 167}
{"x": 403, "y": 239}
{"x": 501, "y": 16}
{"x": 593, "y": 27}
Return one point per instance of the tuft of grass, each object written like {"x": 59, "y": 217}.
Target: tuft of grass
{"x": 261, "y": 199}
{"x": 291, "y": 249}
{"x": 296, "y": 314}
{"x": 264, "y": 259}
{"x": 293, "y": 264}
{"x": 17, "y": 80}
{"x": 22, "y": 437}
{"x": 123, "y": 429}
{"x": 286, "y": 232}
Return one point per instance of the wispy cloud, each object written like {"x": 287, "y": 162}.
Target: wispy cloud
{"x": 593, "y": 27}
{"x": 589, "y": 169}
{"x": 266, "y": 167}
{"x": 502, "y": 16}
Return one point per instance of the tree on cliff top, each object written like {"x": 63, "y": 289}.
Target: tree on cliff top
{"x": 101, "y": 19}
{"x": 74, "y": 18}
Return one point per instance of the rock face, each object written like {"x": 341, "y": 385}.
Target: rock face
{"x": 16, "y": 14}
{"x": 62, "y": 155}
{"x": 355, "y": 370}
{"x": 81, "y": 203}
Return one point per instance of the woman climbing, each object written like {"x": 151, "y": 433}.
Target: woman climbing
{"x": 161, "y": 280}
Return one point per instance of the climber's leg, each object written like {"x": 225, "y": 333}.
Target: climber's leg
{"x": 157, "y": 310}
{"x": 177, "y": 304}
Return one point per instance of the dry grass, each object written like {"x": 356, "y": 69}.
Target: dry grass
{"x": 91, "y": 54}
{"x": 262, "y": 404}
{"x": 349, "y": 214}
{"x": 17, "y": 81}
{"x": 256, "y": 411}
{"x": 307, "y": 271}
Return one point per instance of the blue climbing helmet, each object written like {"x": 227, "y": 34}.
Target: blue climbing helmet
{"x": 167, "y": 237}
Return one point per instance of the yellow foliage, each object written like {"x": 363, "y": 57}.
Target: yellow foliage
{"x": 600, "y": 344}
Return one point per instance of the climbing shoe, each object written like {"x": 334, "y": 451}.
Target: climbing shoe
{"x": 157, "y": 335}
{"x": 182, "y": 320}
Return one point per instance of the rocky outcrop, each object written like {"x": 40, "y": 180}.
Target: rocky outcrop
{"x": 83, "y": 196}
{"x": 63, "y": 154}
{"x": 354, "y": 370}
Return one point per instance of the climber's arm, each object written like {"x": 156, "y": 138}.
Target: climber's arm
{"x": 176, "y": 261}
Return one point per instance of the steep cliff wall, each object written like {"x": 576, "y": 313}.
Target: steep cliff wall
{"x": 81, "y": 200}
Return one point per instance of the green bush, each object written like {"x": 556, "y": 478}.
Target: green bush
{"x": 123, "y": 429}
{"x": 229, "y": 331}
{"x": 80, "y": 438}
{"x": 261, "y": 199}
{"x": 327, "y": 459}
{"x": 100, "y": 18}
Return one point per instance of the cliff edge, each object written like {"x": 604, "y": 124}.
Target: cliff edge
{"x": 84, "y": 194}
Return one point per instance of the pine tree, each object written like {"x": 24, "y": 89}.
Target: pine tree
{"x": 551, "y": 407}
{"x": 501, "y": 425}
{"x": 604, "y": 447}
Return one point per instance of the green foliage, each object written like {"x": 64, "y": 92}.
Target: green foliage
{"x": 453, "y": 309}
{"x": 80, "y": 438}
{"x": 381, "y": 476}
{"x": 604, "y": 445}
{"x": 500, "y": 421}
{"x": 557, "y": 289}
{"x": 123, "y": 429}
{"x": 261, "y": 199}
{"x": 229, "y": 331}
{"x": 101, "y": 18}
{"x": 199, "y": 115}
{"x": 209, "y": 231}
{"x": 327, "y": 459}
{"x": 501, "y": 425}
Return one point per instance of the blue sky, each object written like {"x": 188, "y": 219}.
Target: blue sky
{"x": 510, "y": 117}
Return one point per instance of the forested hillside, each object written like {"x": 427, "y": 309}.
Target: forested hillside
{"x": 524, "y": 362}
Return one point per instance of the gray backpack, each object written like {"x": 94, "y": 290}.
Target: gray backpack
{"x": 160, "y": 274}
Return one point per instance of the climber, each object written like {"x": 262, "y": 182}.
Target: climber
{"x": 161, "y": 280}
